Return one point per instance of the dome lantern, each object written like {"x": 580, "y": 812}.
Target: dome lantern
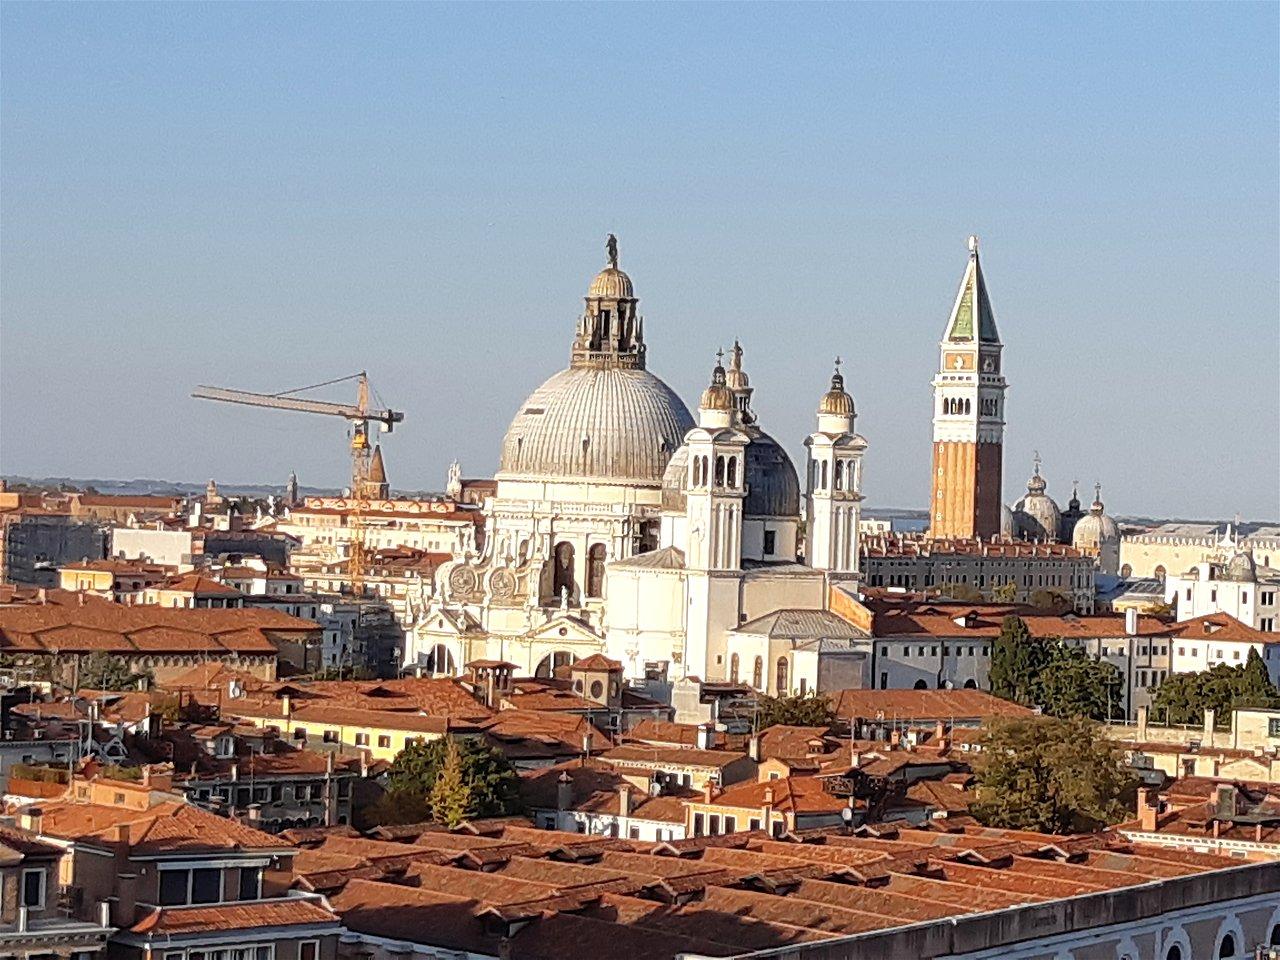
{"x": 610, "y": 332}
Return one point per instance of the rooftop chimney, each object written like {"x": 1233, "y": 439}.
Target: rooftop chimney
{"x": 624, "y": 799}
{"x": 1131, "y": 622}
{"x": 32, "y": 819}
{"x": 564, "y": 791}
{"x": 753, "y": 747}
{"x": 1148, "y": 809}
{"x": 706, "y": 736}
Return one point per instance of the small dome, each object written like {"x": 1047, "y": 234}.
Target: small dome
{"x": 836, "y": 401}
{"x": 1241, "y": 568}
{"x": 611, "y": 284}
{"x": 1036, "y": 516}
{"x": 718, "y": 396}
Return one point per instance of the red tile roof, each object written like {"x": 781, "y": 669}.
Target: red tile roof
{"x": 248, "y": 916}
{"x": 924, "y": 705}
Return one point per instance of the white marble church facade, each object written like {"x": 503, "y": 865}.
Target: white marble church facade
{"x": 619, "y": 525}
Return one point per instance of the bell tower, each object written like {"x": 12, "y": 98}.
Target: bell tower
{"x": 968, "y": 415}
{"x": 835, "y": 483}
{"x": 716, "y": 481}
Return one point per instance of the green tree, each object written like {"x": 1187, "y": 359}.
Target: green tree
{"x": 1183, "y": 697}
{"x": 450, "y": 797}
{"x": 1051, "y": 775}
{"x": 1017, "y": 662}
{"x": 1074, "y": 684}
{"x": 488, "y": 775}
{"x": 808, "y": 710}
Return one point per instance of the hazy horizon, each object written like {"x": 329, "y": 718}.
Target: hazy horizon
{"x": 264, "y": 196}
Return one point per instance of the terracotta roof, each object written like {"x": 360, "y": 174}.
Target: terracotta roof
{"x": 782, "y": 740}
{"x": 71, "y": 623}
{"x": 669, "y": 733}
{"x": 1221, "y": 626}
{"x": 169, "y": 827}
{"x": 248, "y": 915}
{"x": 790, "y": 794}
{"x": 199, "y": 585}
{"x": 597, "y": 661}
{"x": 923, "y": 705}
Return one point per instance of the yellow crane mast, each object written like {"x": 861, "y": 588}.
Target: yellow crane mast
{"x": 359, "y": 415}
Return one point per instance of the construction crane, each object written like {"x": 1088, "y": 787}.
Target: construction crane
{"x": 359, "y": 415}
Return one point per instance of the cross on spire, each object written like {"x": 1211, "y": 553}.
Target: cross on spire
{"x": 1037, "y": 461}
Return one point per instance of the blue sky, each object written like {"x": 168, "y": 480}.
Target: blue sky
{"x": 268, "y": 195}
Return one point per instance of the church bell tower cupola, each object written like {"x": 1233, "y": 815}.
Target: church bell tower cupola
{"x": 611, "y": 331}
{"x": 968, "y": 415}
{"x": 834, "y": 497}
{"x": 716, "y": 483}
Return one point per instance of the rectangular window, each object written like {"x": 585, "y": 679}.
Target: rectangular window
{"x": 753, "y": 824}
{"x": 713, "y": 824}
{"x": 362, "y": 739}
{"x": 697, "y": 825}
{"x": 730, "y": 824}
{"x": 33, "y": 889}
{"x": 331, "y": 736}
{"x": 884, "y": 651}
{"x": 770, "y": 541}
{"x": 173, "y": 887}
{"x": 300, "y": 733}
{"x": 884, "y": 681}
{"x": 384, "y": 740}
{"x": 1273, "y": 727}
{"x": 309, "y": 950}
{"x": 250, "y": 883}
{"x": 206, "y": 885}
{"x": 633, "y": 833}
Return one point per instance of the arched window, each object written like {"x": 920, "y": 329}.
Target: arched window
{"x": 733, "y": 669}
{"x": 1228, "y": 946}
{"x": 439, "y": 661}
{"x": 839, "y": 474}
{"x": 595, "y": 570}
{"x": 781, "y": 677}
{"x": 921, "y": 685}
{"x": 971, "y": 684}
{"x": 562, "y": 575}
{"x": 757, "y": 674}
{"x": 697, "y": 471}
{"x": 1274, "y": 939}
{"x": 823, "y": 485}
{"x": 733, "y": 472}
{"x": 720, "y": 471}
{"x": 552, "y": 662}
{"x": 1159, "y": 573}
{"x": 1175, "y": 953}
{"x": 1126, "y": 571}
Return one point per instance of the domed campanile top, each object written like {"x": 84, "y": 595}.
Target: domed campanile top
{"x": 716, "y": 408}
{"x": 835, "y": 410}
{"x": 610, "y": 332}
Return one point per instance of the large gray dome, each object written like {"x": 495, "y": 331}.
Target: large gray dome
{"x": 773, "y": 488}
{"x": 596, "y": 423}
